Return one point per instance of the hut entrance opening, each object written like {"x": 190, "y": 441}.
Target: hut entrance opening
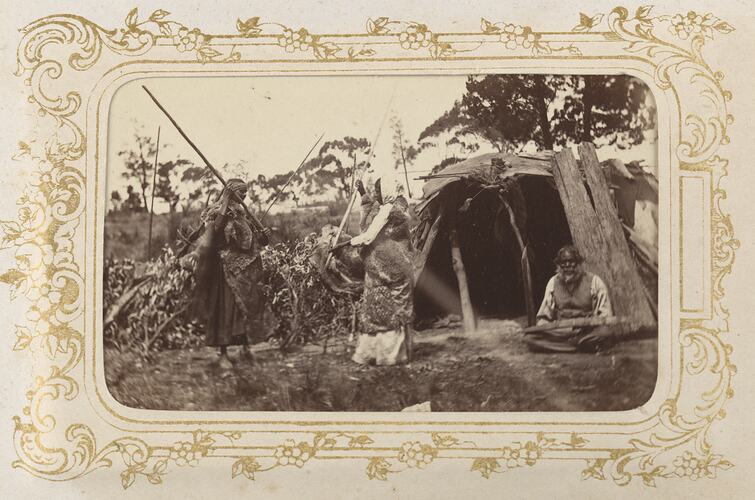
{"x": 490, "y": 247}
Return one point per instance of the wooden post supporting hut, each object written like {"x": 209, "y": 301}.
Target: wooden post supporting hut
{"x": 467, "y": 310}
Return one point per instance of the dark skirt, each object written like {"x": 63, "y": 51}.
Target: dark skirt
{"x": 226, "y": 322}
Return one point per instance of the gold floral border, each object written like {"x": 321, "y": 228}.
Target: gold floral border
{"x": 49, "y": 270}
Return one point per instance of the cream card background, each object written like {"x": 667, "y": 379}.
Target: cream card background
{"x": 733, "y": 54}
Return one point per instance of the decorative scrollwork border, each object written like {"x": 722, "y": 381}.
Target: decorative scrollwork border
{"x": 48, "y": 272}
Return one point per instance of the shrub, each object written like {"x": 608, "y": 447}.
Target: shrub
{"x": 154, "y": 317}
{"x": 303, "y": 307}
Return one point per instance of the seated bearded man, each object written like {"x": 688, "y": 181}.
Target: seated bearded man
{"x": 572, "y": 293}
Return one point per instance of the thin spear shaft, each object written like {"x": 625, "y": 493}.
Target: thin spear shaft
{"x": 292, "y": 176}
{"x": 152, "y": 202}
{"x": 334, "y": 241}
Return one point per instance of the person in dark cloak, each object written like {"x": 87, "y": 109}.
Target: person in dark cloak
{"x": 229, "y": 298}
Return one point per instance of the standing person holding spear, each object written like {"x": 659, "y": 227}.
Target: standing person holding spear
{"x": 229, "y": 298}
{"x": 387, "y": 305}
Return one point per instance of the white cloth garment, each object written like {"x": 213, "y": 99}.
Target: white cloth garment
{"x": 385, "y": 348}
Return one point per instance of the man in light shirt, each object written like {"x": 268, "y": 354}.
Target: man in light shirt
{"x": 572, "y": 293}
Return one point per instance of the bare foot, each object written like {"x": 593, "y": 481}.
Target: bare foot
{"x": 225, "y": 363}
{"x": 247, "y": 353}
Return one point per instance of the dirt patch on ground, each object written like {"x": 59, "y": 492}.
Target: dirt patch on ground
{"x": 491, "y": 371}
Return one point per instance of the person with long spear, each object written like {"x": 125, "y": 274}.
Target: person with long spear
{"x": 224, "y": 253}
{"x": 229, "y": 296}
{"x": 387, "y": 305}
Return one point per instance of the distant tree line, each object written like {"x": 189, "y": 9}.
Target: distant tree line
{"x": 505, "y": 113}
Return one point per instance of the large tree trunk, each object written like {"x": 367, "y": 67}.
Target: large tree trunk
{"x": 541, "y": 105}
{"x": 597, "y": 233}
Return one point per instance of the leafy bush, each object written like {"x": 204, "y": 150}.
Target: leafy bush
{"x": 303, "y": 307}
{"x": 154, "y": 318}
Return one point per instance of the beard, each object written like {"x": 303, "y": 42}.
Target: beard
{"x": 570, "y": 276}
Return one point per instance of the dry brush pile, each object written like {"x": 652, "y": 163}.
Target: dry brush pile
{"x": 146, "y": 304}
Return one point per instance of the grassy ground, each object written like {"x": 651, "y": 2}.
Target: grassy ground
{"x": 492, "y": 371}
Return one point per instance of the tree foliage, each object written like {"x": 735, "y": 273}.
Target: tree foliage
{"x": 138, "y": 164}
{"x": 335, "y": 164}
{"x": 513, "y": 112}
{"x": 170, "y": 175}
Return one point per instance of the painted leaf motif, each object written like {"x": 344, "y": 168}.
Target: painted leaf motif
{"x": 594, "y": 470}
{"x": 236, "y": 468}
{"x": 51, "y": 345}
{"x": 246, "y": 466}
{"x": 23, "y": 338}
{"x": 158, "y": 14}
{"x": 23, "y": 149}
{"x": 377, "y": 26}
{"x": 127, "y": 478}
{"x": 154, "y": 478}
{"x": 378, "y": 468}
{"x": 648, "y": 480}
{"x": 206, "y": 53}
{"x": 595, "y": 20}
{"x": 444, "y": 440}
{"x": 250, "y": 27}
{"x": 541, "y": 48}
{"x": 725, "y": 465}
{"x": 160, "y": 466}
{"x": 485, "y": 466}
{"x": 576, "y": 441}
{"x": 723, "y": 27}
{"x": 131, "y": 18}
{"x": 488, "y": 28}
{"x": 643, "y": 11}
{"x": 325, "y": 50}
{"x": 359, "y": 441}
{"x": 11, "y": 232}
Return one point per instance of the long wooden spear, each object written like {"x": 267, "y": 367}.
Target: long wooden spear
{"x": 292, "y": 176}
{"x": 207, "y": 163}
{"x": 334, "y": 241}
{"x": 152, "y": 202}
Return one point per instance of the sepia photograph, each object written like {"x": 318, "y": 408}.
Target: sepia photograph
{"x": 454, "y": 243}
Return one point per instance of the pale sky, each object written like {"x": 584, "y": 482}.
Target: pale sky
{"x": 272, "y": 121}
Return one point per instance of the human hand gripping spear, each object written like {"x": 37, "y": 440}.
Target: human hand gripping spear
{"x": 255, "y": 222}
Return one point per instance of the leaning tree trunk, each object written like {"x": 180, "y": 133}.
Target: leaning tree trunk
{"x": 597, "y": 233}
{"x": 541, "y": 105}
